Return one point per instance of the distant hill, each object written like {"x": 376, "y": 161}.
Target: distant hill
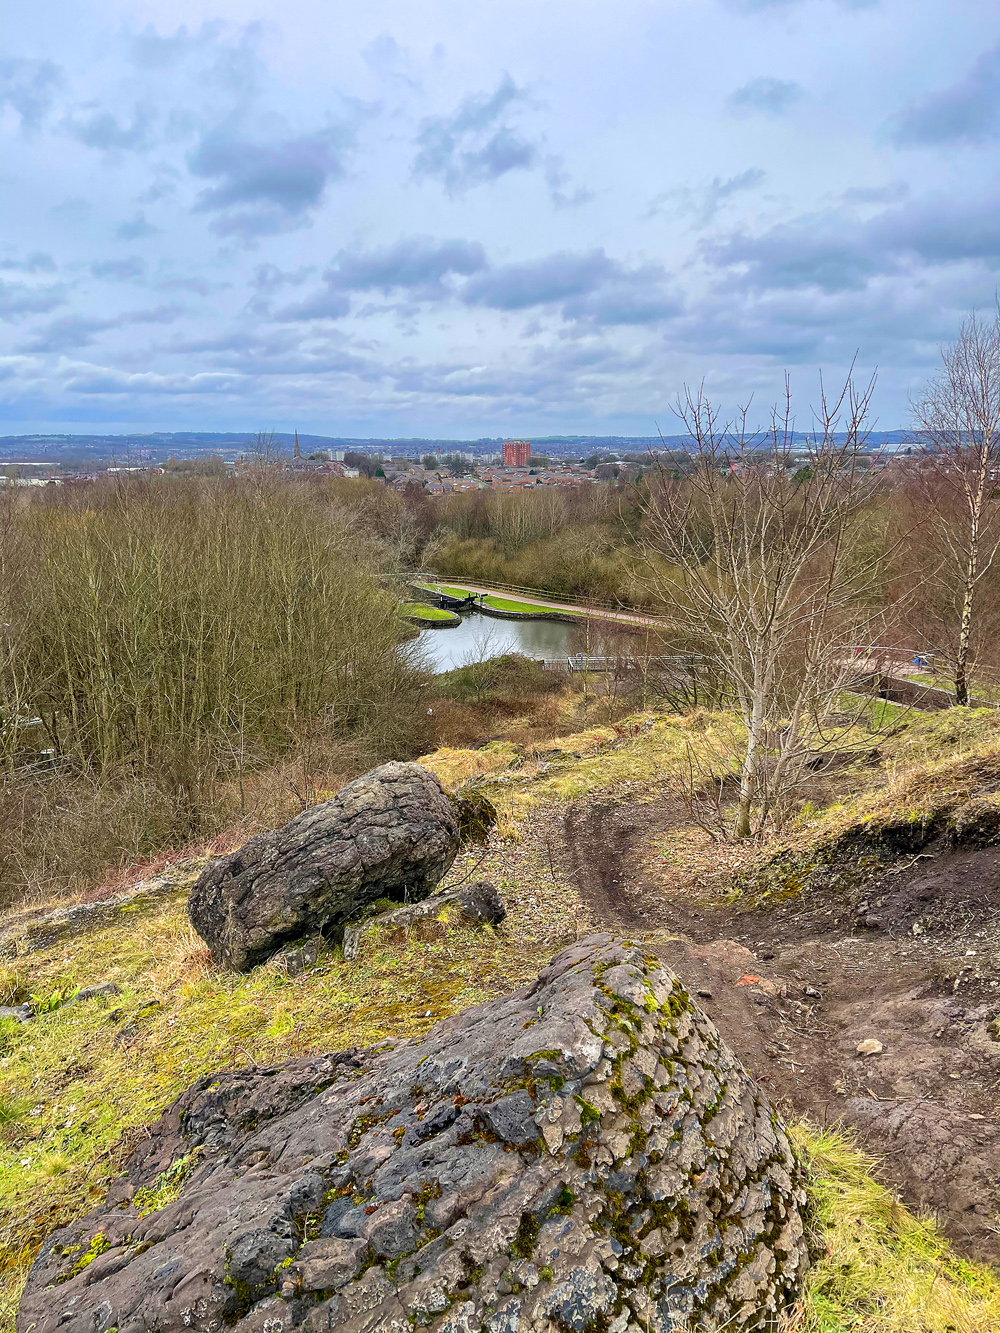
{"x": 97, "y": 450}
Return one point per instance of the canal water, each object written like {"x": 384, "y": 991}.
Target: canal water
{"x": 479, "y": 637}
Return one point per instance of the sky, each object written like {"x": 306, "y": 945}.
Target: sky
{"x": 530, "y": 217}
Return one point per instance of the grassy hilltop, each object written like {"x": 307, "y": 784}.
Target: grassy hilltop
{"x": 80, "y": 1082}
{"x": 184, "y": 662}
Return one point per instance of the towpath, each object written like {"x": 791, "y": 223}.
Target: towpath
{"x": 533, "y": 599}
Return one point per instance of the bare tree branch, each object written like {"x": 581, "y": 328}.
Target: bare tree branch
{"x": 959, "y": 416}
{"x": 766, "y": 579}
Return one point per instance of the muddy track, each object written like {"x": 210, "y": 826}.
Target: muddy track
{"x": 599, "y": 838}
{"x": 909, "y": 958}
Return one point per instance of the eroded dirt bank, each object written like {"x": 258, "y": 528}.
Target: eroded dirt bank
{"x": 904, "y": 953}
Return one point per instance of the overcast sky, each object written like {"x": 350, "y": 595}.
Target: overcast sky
{"x": 431, "y": 217}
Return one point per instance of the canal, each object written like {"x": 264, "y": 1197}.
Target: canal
{"x": 479, "y": 637}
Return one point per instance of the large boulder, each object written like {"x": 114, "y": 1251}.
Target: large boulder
{"x": 583, "y": 1154}
{"x": 392, "y": 833}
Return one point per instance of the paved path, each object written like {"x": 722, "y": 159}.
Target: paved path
{"x": 596, "y": 612}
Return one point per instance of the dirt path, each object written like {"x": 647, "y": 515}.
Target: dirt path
{"x": 599, "y": 837}
{"x": 909, "y": 958}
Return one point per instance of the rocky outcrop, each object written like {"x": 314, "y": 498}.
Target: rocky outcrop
{"x": 476, "y": 814}
{"x": 32, "y": 931}
{"x": 392, "y": 833}
{"x": 584, "y": 1154}
{"x": 477, "y": 904}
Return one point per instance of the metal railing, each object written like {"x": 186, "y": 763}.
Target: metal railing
{"x": 906, "y": 656}
{"x": 577, "y": 662}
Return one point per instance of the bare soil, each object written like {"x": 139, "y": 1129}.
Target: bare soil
{"x": 906, "y": 954}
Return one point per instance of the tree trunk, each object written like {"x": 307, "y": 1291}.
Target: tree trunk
{"x": 751, "y": 761}
{"x": 964, "y": 637}
{"x": 969, "y": 593}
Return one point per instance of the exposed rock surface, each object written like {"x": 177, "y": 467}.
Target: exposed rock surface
{"x": 392, "y": 833}
{"x": 473, "y": 904}
{"x": 476, "y": 814}
{"x": 33, "y": 930}
{"x": 20, "y": 1013}
{"x": 298, "y": 957}
{"x": 583, "y": 1154}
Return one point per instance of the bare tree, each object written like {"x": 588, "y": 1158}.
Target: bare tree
{"x": 959, "y": 416}
{"x": 262, "y": 459}
{"x": 15, "y": 561}
{"x": 480, "y": 660}
{"x": 758, "y": 555}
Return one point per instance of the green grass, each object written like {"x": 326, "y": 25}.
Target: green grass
{"x": 500, "y": 603}
{"x": 74, "y": 1102}
{"x": 422, "y": 611}
{"x": 978, "y": 689}
{"x": 594, "y": 760}
{"x": 525, "y": 608}
{"x": 882, "y": 1270}
{"x": 448, "y": 591}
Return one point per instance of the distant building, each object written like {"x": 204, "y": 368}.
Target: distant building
{"x": 516, "y": 453}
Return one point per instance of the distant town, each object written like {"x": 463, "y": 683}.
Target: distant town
{"x": 437, "y": 467}
{"x": 512, "y": 468}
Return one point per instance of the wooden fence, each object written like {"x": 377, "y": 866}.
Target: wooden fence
{"x": 602, "y": 603}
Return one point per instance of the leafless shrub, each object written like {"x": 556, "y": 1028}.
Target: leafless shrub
{"x": 767, "y": 585}
{"x": 172, "y": 638}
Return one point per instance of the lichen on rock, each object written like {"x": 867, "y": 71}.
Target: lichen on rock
{"x": 476, "y": 904}
{"x": 584, "y": 1154}
{"x": 392, "y": 833}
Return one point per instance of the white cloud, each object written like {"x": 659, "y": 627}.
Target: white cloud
{"x": 512, "y": 216}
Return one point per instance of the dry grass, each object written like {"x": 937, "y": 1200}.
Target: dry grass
{"x": 74, "y": 1098}
{"x": 938, "y": 762}
{"x": 644, "y": 756}
{"x": 688, "y": 858}
{"x": 455, "y": 766}
{"x": 933, "y": 758}
{"x": 163, "y": 645}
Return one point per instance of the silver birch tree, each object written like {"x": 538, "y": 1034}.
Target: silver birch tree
{"x": 959, "y": 418}
{"x": 771, "y": 578}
